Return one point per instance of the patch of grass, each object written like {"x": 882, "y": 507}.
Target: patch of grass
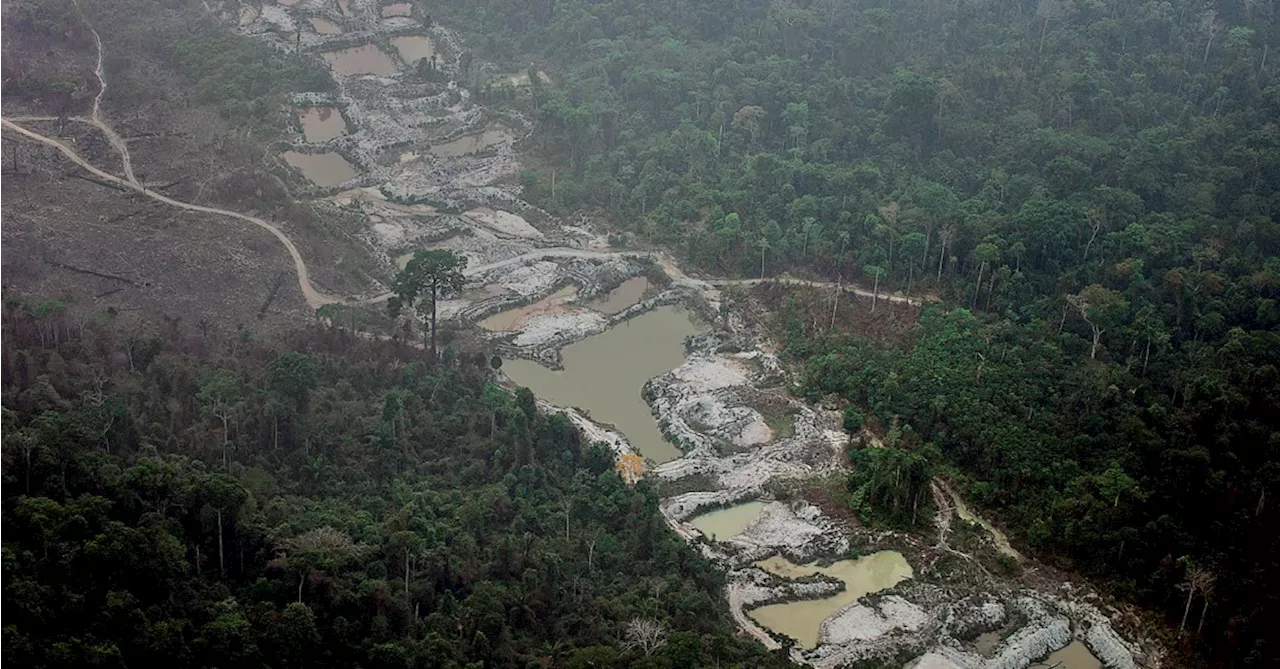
{"x": 781, "y": 422}
{"x": 778, "y": 414}
{"x": 680, "y": 486}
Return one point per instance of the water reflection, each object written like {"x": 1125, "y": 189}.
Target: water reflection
{"x": 623, "y": 296}
{"x": 323, "y": 169}
{"x": 604, "y": 374}
{"x": 725, "y": 524}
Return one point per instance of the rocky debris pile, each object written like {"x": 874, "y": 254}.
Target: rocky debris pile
{"x": 1049, "y": 627}
{"x": 974, "y": 615}
{"x": 571, "y": 325}
{"x": 703, "y": 405}
{"x": 394, "y": 120}
{"x": 457, "y": 182}
{"x": 1045, "y": 631}
{"x": 731, "y": 426}
{"x": 865, "y": 622}
{"x": 801, "y": 532}
{"x": 480, "y": 247}
{"x": 504, "y": 223}
{"x": 527, "y": 280}
{"x": 756, "y": 587}
{"x": 706, "y": 405}
{"x": 1101, "y": 638}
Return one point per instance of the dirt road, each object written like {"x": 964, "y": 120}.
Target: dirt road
{"x": 314, "y": 297}
{"x": 846, "y": 287}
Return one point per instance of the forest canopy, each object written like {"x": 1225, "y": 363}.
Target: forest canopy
{"x": 1090, "y": 189}
{"x": 184, "y": 499}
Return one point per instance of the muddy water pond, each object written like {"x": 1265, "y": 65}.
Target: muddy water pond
{"x": 725, "y": 524}
{"x": 325, "y": 27}
{"x": 863, "y": 576}
{"x": 623, "y": 296}
{"x": 398, "y": 9}
{"x": 323, "y": 169}
{"x": 413, "y": 48}
{"x": 363, "y": 59}
{"x": 604, "y": 374}
{"x": 321, "y": 124}
{"x": 1074, "y": 656}
{"x": 471, "y": 143}
{"x": 987, "y": 642}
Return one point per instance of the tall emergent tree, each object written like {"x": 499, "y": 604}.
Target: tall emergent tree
{"x": 429, "y": 276}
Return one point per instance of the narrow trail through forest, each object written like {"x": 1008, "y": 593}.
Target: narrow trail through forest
{"x": 846, "y": 287}
{"x": 314, "y": 297}
{"x": 957, "y": 503}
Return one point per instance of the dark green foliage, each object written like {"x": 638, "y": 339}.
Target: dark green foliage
{"x": 891, "y": 483}
{"x": 429, "y": 276}
{"x": 1112, "y": 470}
{"x": 852, "y": 420}
{"x": 1102, "y": 180}
{"x": 823, "y": 134}
{"x": 373, "y": 510}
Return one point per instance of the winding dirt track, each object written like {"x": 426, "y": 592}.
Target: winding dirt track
{"x": 997, "y": 537}
{"x": 314, "y": 297}
{"x": 117, "y": 142}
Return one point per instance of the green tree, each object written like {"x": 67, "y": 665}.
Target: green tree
{"x": 986, "y": 254}
{"x": 296, "y": 635}
{"x": 405, "y": 544}
{"x": 225, "y": 496}
{"x": 429, "y": 276}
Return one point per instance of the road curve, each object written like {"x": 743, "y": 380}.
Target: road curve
{"x": 315, "y": 298}
{"x": 95, "y": 117}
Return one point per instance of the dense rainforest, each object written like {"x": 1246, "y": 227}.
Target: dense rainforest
{"x": 175, "y": 497}
{"x": 1091, "y": 190}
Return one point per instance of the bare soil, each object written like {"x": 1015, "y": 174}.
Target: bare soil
{"x": 101, "y": 249}
{"x": 186, "y": 264}
{"x": 889, "y": 322}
